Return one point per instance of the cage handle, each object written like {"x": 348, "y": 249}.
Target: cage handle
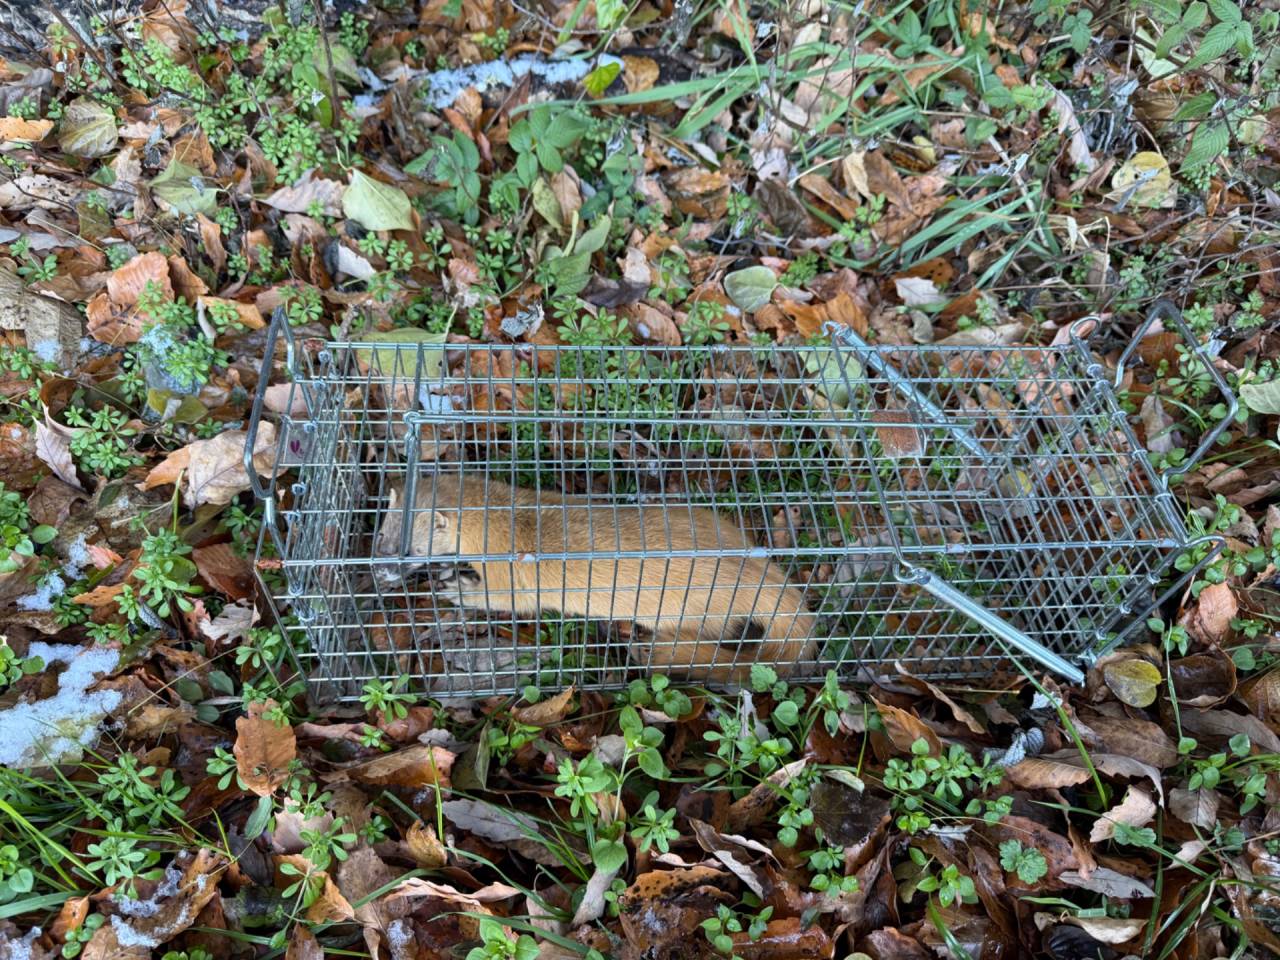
{"x": 1165, "y": 310}
{"x": 279, "y": 323}
{"x": 1001, "y": 628}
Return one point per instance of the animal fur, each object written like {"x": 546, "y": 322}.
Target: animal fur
{"x": 708, "y": 618}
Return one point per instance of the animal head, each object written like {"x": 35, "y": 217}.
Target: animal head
{"x": 434, "y": 533}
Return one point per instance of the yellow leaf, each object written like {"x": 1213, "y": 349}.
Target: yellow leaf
{"x": 1133, "y": 681}
{"x": 1145, "y": 180}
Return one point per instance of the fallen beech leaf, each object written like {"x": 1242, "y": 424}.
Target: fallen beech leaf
{"x": 1108, "y": 882}
{"x": 16, "y": 128}
{"x": 1216, "y": 609}
{"x": 1135, "y": 810}
{"x": 425, "y": 847}
{"x": 1262, "y": 695}
{"x": 897, "y": 433}
{"x": 1110, "y": 929}
{"x": 904, "y": 729}
{"x": 752, "y": 809}
{"x": 545, "y": 712}
{"x": 263, "y": 750}
{"x": 303, "y": 944}
{"x": 417, "y": 887}
{"x": 224, "y": 570}
{"x": 1196, "y": 807}
{"x": 126, "y": 283}
{"x": 215, "y": 467}
{"x": 421, "y": 765}
{"x": 1133, "y": 681}
{"x": 1204, "y": 679}
{"x": 54, "y": 450}
{"x": 1065, "y": 768}
{"x": 1140, "y": 739}
{"x": 300, "y": 197}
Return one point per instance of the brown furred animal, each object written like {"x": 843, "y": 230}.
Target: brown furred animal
{"x": 696, "y": 609}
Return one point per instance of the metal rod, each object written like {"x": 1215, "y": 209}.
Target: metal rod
{"x": 871, "y": 357}
{"x": 996, "y": 625}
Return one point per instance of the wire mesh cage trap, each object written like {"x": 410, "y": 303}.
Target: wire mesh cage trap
{"x": 482, "y": 517}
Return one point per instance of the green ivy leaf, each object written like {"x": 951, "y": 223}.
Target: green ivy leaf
{"x": 376, "y": 205}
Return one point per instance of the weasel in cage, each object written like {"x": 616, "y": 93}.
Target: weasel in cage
{"x": 705, "y": 602}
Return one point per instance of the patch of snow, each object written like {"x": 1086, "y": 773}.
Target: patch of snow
{"x": 399, "y": 936}
{"x": 47, "y": 350}
{"x": 57, "y": 729}
{"x": 21, "y": 949}
{"x": 77, "y": 557}
{"x": 444, "y": 86}
{"x": 47, "y": 590}
{"x": 126, "y": 936}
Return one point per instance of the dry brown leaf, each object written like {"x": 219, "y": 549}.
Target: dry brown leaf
{"x": 1066, "y": 768}
{"x": 303, "y": 944}
{"x": 425, "y": 847}
{"x": 1216, "y": 609}
{"x": 421, "y": 765}
{"x": 108, "y": 324}
{"x": 1262, "y": 696}
{"x": 639, "y": 73}
{"x": 904, "y": 729}
{"x": 809, "y": 318}
{"x": 16, "y": 128}
{"x": 1135, "y": 810}
{"x": 54, "y": 450}
{"x": 752, "y": 809}
{"x": 225, "y": 570}
{"x": 651, "y": 324}
{"x": 1110, "y": 929}
{"x": 248, "y": 313}
{"x": 897, "y": 433}
{"x": 1142, "y": 739}
{"x": 126, "y": 283}
{"x": 546, "y": 712}
{"x": 211, "y": 238}
{"x": 263, "y": 750}
{"x": 300, "y": 197}
{"x": 186, "y": 283}
{"x": 1196, "y": 807}
{"x": 215, "y": 467}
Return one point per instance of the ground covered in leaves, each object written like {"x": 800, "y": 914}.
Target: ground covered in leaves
{"x": 601, "y": 173}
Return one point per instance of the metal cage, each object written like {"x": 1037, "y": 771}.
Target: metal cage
{"x": 939, "y": 508}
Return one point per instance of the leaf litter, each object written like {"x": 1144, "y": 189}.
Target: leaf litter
{"x": 450, "y": 173}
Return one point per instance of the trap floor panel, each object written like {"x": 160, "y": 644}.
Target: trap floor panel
{"x": 1009, "y": 474}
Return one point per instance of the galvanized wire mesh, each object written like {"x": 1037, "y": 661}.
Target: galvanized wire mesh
{"x": 1009, "y": 474}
